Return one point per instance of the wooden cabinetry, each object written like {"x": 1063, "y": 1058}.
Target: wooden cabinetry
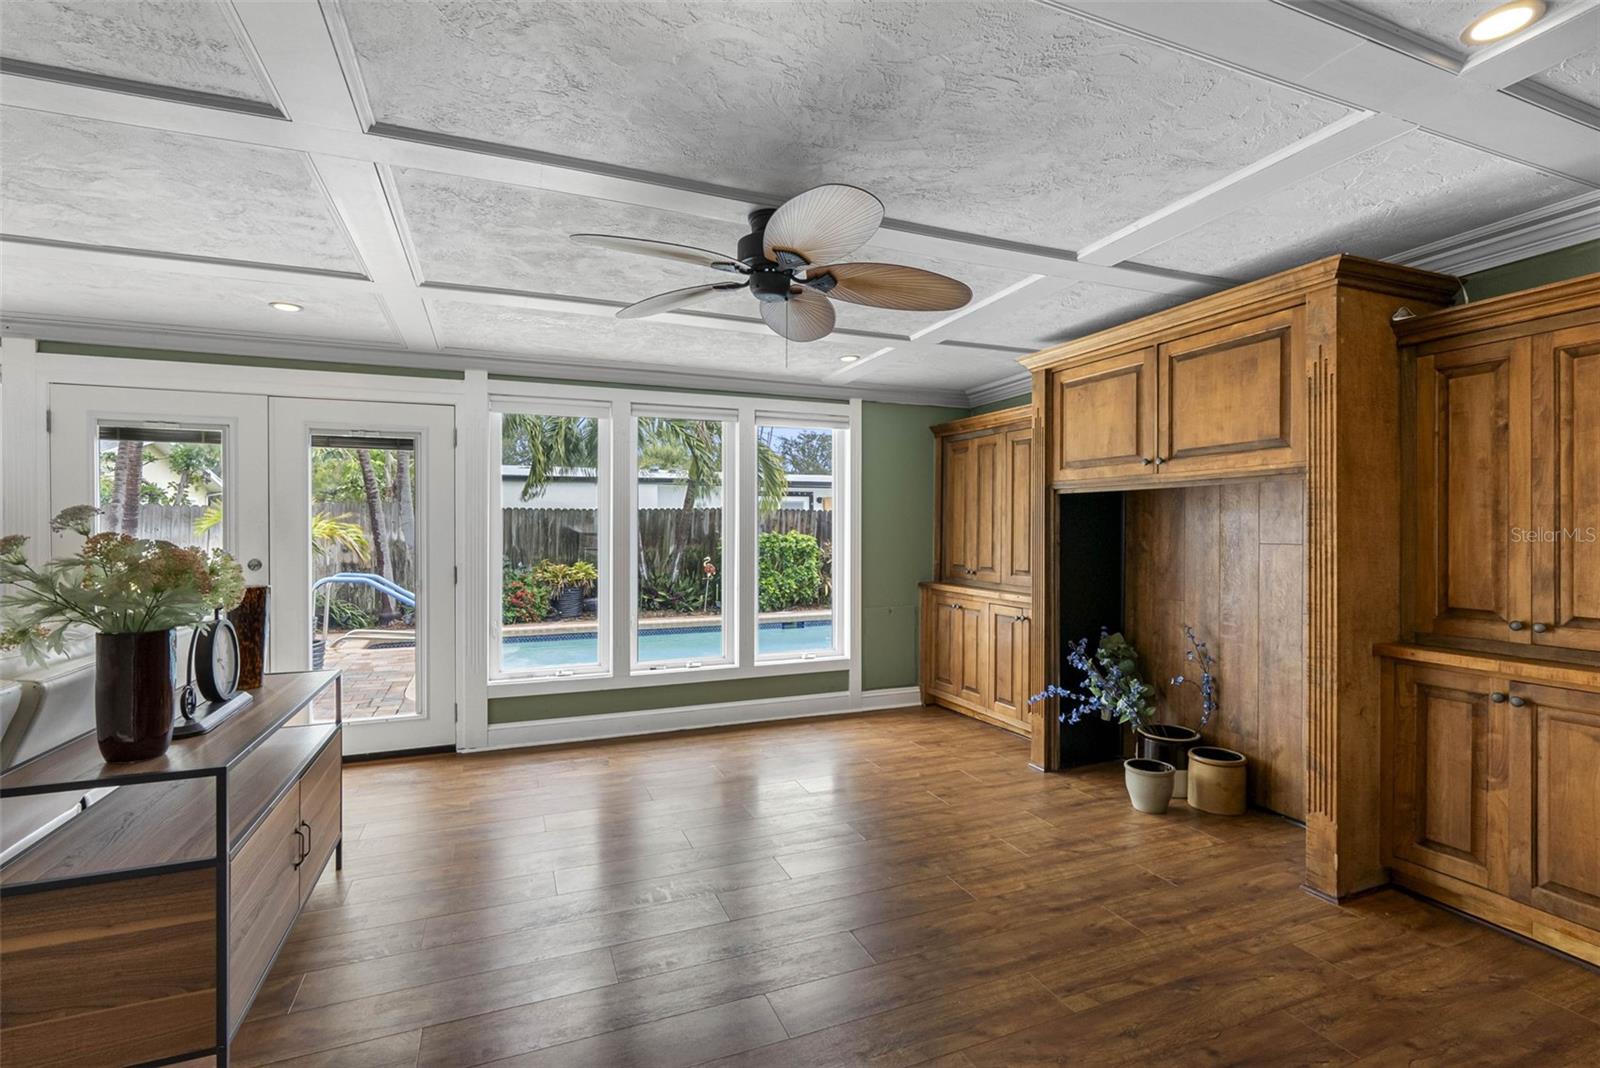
{"x": 140, "y": 929}
{"x": 1504, "y": 437}
{"x": 1493, "y": 768}
{"x": 983, "y": 525}
{"x": 974, "y": 653}
{"x": 1106, "y": 421}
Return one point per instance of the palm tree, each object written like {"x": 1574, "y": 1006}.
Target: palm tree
{"x": 547, "y": 443}
{"x": 380, "y": 534}
{"x": 125, "y": 485}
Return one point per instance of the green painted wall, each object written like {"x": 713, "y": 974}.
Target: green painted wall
{"x": 1547, "y": 267}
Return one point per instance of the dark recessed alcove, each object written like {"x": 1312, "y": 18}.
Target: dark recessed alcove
{"x": 1089, "y": 598}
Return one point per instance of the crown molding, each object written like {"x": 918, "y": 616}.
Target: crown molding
{"x": 1546, "y": 229}
{"x": 537, "y": 367}
{"x": 1001, "y": 389}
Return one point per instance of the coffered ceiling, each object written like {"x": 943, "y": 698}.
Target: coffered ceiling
{"x": 409, "y": 172}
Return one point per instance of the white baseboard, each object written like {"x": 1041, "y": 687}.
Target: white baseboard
{"x": 693, "y": 717}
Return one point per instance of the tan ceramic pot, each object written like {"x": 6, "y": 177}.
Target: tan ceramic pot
{"x": 1216, "y": 780}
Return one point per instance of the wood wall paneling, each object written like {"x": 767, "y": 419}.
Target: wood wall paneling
{"x": 1230, "y": 561}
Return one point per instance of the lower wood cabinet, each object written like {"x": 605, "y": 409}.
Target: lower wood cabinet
{"x": 975, "y": 653}
{"x": 1494, "y": 796}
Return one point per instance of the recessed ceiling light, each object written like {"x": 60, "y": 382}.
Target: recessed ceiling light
{"x": 283, "y": 305}
{"x": 848, "y": 359}
{"x": 1502, "y": 22}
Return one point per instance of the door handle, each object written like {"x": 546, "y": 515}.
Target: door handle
{"x": 307, "y": 853}
{"x": 1540, "y": 628}
{"x": 1516, "y": 624}
{"x": 1497, "y": 697}
{"x": 254, "y": 564}
{"x": 1518, "y": 702}
{"x": 299, "y": 849}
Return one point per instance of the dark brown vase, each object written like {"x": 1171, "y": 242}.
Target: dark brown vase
{"x": 135, "y": 676}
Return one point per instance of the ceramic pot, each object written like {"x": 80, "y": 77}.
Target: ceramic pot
{"x": 1216, "y": 780}
{"x": 1149, "y": 784}
{"x": 1170, "y": 743}
{"x": 135, "y": 679}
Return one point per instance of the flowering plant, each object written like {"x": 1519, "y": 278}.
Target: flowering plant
{"x": 1112, "y": 687}
{"x": 1201, "y": 657}
{"x": 114, "y": 583}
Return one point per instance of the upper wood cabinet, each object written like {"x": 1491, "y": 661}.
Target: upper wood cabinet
{"x": 1504, "y": 436}
{"x": 1106, "y": 418}
{"x": 984, "y": 528}
{"x": 1226, "y": 400}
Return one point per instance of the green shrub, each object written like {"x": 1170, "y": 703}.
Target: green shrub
{"x": 343, "y": 615}
{"x": 523, "y": 597}
{"x": 790, "y": 569}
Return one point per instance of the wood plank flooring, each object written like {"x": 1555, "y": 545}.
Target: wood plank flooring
{"x": 891, "y": 889}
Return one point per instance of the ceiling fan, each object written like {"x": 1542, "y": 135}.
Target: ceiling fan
{"x": 789, "y": 261}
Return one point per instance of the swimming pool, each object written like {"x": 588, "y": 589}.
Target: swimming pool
{"x": 529, "y": 652}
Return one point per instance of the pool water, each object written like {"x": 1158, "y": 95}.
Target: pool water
{"x": 530, "y": 652}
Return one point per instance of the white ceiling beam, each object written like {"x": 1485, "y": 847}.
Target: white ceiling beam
{"x": 1289, "y": 46}
{"x": 291, "y": 38}
{"x": 1571, "y": 29}
{"x": 1350, "y": 136}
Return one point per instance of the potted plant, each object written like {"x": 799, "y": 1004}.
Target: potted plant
{"x": 1216, "y": 775}
{"x": 1113, "y": 689}
{"x": 568, "y": 582}
{"x": 134, "y": 593}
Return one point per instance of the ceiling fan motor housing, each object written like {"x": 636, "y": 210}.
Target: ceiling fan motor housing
{"x": 769, "y": 282}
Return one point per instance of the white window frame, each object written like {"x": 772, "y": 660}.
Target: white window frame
{"x": 605, "y": 616}
{"x": 843, "y": 499}
{"x": 740, "y": 523}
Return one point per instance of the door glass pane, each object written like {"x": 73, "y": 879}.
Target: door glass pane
{"x": 161, "y": 482}
{"x": 679, "y": 528}
{"x": 551, "y": 585}
{"x": 364, "y": 570}
{"x": 794, "y": 552}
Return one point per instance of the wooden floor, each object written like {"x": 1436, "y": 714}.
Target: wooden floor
{"x": 893, "y": 889}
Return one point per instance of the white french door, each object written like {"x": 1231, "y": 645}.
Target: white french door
{"x": 363, "y": 550}
{"x": 279, "y": 482}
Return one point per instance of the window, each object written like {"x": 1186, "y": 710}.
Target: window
{"x": 161, "y": 482}
{"x": 551, "y": 494}
{"x": 680, "y": 484}
{"x": 795, "y": 468}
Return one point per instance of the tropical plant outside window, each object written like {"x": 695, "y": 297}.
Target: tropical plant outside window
{"x": 795, "y": 545}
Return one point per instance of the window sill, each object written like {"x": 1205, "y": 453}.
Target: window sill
{"x": 522, "y": 687}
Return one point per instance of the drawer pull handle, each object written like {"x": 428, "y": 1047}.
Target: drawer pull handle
{"x": 1518, "y": 702}
{"x": 1497, "y": 697}
{"x": 1516, "y": 624}
{"x": 300, "y": 848}
{"x": 1540, "y": 628}
{"x": 307, "y": 853}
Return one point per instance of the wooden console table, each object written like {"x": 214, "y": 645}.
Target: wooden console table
{"x": 140, "y": 929}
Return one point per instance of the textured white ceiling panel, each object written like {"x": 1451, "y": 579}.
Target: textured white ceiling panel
{"x": 1012, "y": 120}
{"x": 945, "y": 367}
{"x": 605, "y": 339}
{"x": 104, "y": 183}
{"x": 216, "y": 302}
{"x": 179, "y": 44}
{"x": 1079, "y": 309}
{"x": 467, "y": 231}
{"x": 1578, "y": 77}
{"x": 1404, "y": 193}
{"x": 1439, "y": 22}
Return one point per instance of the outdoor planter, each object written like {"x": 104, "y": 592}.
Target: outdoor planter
{"x": 1149, "y": 784}
{"x": 1171, "y": 743}
{"x": 569, "y": 602}
{"x": 1216, "y": 780}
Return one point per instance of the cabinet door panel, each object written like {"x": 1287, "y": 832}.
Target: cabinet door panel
{"x": 1450, "y": 783}
{"x": 263, "y": 897}
{"x": 1570, "y": 584}
{"x": 1557, "y": 861}
{"x": 1006, "y": 632}
{"x": 1233, "y": 398}
{"x": 1474, "y": 544}
{"x": 1105, "y": 418}
{"x": 945, "y": 662}
{"x": 970, "y": 641}
{"x": 1016, "y": 509}
{"x": 320, "y": 805}
{"x": 955, "y": 508}
{"x": 985, "y": 499}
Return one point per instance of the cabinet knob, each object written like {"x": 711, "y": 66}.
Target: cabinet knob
{"x": 1518, "y": 702}
{"x": 1540, "y": 628}
{"x": 1159, "y": 461}
{"x": 1516, "y": 624}
{"x": 1146, "y": 461}
{"x": 1497, "y": 697}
